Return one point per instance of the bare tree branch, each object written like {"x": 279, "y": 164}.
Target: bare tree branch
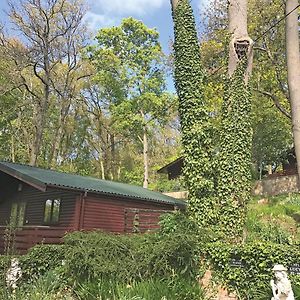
{"x": 276, "y": 102}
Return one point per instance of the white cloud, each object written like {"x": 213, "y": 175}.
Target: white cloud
{"x": 123, "y": 7}
{"x": 203, "y": 4}
{"x": 107, "y": 13}
{"x": 95, "y": 21}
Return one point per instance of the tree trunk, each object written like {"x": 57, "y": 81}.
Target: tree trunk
{"x": 13, "y": 148}
{"x": 59, "y": 132}
{"x": 113, "y": 156}
{"x": 145, "y": 153}
{"x": 174, "y": 4}
{"x": 102, "y": 170}
{"x": 293, "y": 70}
{"x": 240, "y": 44}
{"x": 270, "y": 171}
{"x": 234, "y": 158}
{"x": 40, "y": 122}
{"x": 42, "y": 106}
{"x": 55, "y": 146}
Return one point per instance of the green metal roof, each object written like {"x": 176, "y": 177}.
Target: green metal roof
{"x": 43, "y": 178}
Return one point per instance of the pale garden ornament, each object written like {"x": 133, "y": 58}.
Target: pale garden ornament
{"x": 281, "y": 286}
{"x": 13, "y": 274}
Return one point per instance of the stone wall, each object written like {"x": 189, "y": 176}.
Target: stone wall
{"x": 178, "y": 195}
{"x": 214, "y": 292}
{"x": 266, "y": 187}
{"x": 277, "y": 185}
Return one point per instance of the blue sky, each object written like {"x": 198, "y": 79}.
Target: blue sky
{"x": 154, "y": 13}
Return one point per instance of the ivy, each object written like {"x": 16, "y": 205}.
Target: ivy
{"x": 218, "y": 193}
{"x": 234, "y": 159}
{"x": 251, "y": 279}
{"x": 195, "y": 120}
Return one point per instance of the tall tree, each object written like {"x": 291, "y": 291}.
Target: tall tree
{"x": 234, "y": 164}
{"x": 196, "y": 126}
{"x": 270, "y": 106}
{"x": 293, "y": 70}
{"x": 128, "y": 60}
{"x": 48, "y": 28}
{"x": 269, "y": 76}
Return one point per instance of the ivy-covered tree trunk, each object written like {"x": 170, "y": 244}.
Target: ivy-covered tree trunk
{"x": 240, "y": 44}
{"x": 293, "y": 68}
{"x": 195, "y": 124}
{"x": 234, "y": 162}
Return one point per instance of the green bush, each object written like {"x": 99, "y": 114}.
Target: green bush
{"x": 257, "y": 258}
{"x": 97, "y": 255}
{"x": 177, "y": 222}
{"x": 173, "y": 254}
{"x": 4, "y": 265}
{"x": 166, "y": 263}
{"x": 40, "y": 260}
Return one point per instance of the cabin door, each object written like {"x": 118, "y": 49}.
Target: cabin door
{"x": 17, "y": 214}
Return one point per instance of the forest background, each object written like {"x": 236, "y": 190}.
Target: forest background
{"x": 103, "y": 106}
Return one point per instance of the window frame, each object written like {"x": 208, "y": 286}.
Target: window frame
{"x": 54, "y": 218}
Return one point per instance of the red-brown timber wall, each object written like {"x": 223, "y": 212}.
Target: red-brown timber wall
{"x": 35, "y": 206}
{"x": 33, "y": 231}
{"x": 108, "y": 213}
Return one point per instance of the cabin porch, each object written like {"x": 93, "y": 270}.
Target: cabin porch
{"x": 22, "y": 238}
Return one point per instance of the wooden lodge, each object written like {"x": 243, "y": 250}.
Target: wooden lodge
{"x": 41, "y": 206}
{"x": 173, "y": 169}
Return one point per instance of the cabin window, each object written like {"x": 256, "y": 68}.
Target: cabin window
{"x": 17, "y": 214}
{"x": 52, "y": 209}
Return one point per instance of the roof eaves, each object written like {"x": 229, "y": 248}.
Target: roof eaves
{"x": 164, "y": 169}
{"x": 173, "y": 202}
{"x": 24, "y": 178}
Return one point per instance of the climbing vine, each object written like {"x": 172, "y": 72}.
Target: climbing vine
{"x": 195, "y": 121}
{"x": 217, "y": 195}
{"x": 234, "y": 159}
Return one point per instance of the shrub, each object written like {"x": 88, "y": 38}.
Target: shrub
{"x": 97, "y": 255}
{"x": 4, "y": 265}
{"x": 270, "y": 231}
{"x": 100, "y": 255}
{"x": 40, "y": 260}
{"x": 257, "y": 259}
{"x": 177, "y": 222}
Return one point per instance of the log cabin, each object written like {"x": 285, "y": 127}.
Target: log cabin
{"x": 40, "y": 206}
{"x": 173, "y": 169}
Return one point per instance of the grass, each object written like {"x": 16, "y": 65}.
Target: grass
{"x": 49, "y": 287}
{"x": 278, "y": 220}
{"x": 146, "y": 290}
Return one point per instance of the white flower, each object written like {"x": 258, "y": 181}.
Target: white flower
{"x": 13, "y": 274}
